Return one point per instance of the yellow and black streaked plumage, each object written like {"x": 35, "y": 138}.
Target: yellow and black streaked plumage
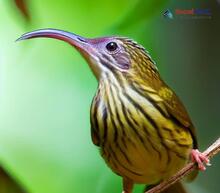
{"x": 139, "y": 123}
{"x": 141, "y": 127}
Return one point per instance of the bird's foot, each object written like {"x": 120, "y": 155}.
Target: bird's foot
{"x": 200, "y": 158}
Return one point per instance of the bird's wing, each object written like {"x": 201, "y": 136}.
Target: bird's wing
{"x": 170, "y": 103}
{"x": 8, "y": 184}
{"x": 177, "y": 110}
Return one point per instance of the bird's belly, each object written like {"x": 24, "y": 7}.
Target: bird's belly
{"x": 145, "y": 163}
{"x": 137, "y": 141}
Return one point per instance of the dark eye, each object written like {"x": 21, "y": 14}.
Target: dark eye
{"x": 111, "y": 46}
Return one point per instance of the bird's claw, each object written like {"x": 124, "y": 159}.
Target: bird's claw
{"x": 200, "y": 158}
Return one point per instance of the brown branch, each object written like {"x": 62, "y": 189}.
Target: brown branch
{"x": 209, "y": 152}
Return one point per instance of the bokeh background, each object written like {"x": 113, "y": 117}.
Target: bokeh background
{"x": 46, "y": 87}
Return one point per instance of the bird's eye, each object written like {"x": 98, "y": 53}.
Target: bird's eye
{"x": 111, "y": 46}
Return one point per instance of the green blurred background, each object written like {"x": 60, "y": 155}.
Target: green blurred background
{"x": 46, "y": 87}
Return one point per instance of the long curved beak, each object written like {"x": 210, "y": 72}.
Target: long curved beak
{"x": 83, "y": 45}
{"x": 80, "y": 43}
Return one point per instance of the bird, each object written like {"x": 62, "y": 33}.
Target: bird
{"x": 138, "y": 123}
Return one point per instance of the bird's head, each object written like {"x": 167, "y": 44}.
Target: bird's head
{"x": 105, "y": 55}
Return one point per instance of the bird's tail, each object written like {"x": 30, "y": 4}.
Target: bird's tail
{"x": 176, "y": 188}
